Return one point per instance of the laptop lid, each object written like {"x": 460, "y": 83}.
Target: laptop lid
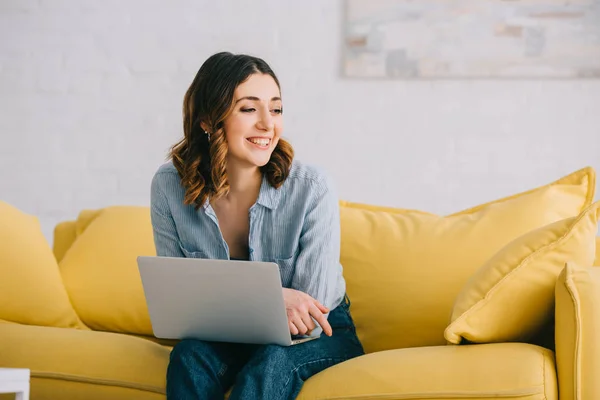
{"x": 215, "y": 300}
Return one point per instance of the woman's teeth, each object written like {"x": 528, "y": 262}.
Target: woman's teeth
{"x": 260, "y": 142}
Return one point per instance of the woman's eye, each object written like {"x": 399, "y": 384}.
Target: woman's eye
{"x": 248, "y": 110}
{"x": 277, "y": 111}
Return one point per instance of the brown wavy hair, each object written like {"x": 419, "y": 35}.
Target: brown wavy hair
{"x": 201, "y": 162}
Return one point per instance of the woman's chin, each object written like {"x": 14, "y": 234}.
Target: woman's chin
{"x": 255, "y": 161}
{"x": 261, "y": 163}
{"x": 260, "y": 160}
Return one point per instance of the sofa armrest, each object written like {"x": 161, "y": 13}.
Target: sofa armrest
{"x": 577, "y": 327}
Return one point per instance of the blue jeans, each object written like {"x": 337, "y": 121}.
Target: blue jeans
{"x": 206, "y": 370}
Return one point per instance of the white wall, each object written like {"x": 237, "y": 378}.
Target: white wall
{"x": 91, "y": 93}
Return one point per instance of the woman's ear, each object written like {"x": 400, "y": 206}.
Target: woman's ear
{"x": 204, "y": 126}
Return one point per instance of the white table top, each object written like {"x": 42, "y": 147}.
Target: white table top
{"x": 14, "y": 374}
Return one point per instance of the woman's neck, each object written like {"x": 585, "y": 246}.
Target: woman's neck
{"x": 244, "y": 184}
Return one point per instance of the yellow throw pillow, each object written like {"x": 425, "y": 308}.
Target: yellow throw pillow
{"x": 31, "y": 288}
{"x": 100, "y": 269}
{"x": 512, "y": 295}
{"x": 404, "y": 268}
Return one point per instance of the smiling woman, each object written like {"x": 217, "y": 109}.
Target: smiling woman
{"x": 234, "y": 191}
{"x": 246, "y": 105}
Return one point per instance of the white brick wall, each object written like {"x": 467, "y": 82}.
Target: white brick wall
{"x": 91, "y": 91}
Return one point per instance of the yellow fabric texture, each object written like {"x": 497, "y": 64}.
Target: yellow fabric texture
{"x": 64, "y": 236}
{"x": 100, "y": 269}
{"x": 577, "y": 327}
{"x": 511, "y": 297}
{"x": 83, "y": 364}
{"x": 31, "y": 288}
{"x": 500, "y": 371}
{"x": 53, "y": 389}
{"x": 404, "y": 269}
{"x": 597, "y": 261}
{"x": 66, "y": 232}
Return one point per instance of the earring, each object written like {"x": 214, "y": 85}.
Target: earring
{"x": 207, "y": 135}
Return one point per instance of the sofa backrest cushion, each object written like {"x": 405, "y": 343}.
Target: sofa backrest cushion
{"x": 31, "y": 288}
{"x": 100, "y": 268}
{"x": 64, "y": 236}
{"x": 66, "y": 232}
{"x": 404, "y": 269}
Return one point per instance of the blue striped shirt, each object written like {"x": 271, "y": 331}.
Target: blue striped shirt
{"x": 296, "y": 226}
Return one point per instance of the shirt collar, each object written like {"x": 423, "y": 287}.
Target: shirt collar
{"x": 268, "y": 196}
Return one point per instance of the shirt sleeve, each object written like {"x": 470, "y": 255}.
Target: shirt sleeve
{"x": 318, "y": 263}
{"x": 166, "y": 239}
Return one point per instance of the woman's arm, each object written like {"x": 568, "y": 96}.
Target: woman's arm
{"x": 317, "y": 265}
{"x": 166, "y": 239}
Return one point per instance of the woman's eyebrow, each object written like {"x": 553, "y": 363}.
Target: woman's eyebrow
{"x": 254, "y": 98}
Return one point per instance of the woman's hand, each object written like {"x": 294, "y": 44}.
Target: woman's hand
{"x": 300, "y": 307}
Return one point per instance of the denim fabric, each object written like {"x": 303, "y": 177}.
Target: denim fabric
{"x": 206, "y": 370}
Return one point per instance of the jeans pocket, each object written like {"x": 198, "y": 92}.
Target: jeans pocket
{"x": 340, "y": 317}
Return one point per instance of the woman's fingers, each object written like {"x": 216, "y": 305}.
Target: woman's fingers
{"x": 308, "y": 322}
{"x": 300, "y": 307}
{"x": 293, "y": 329}
{"x": 321, "y": 307}
{"x": 320, "y": 318}
{"x": 300, "y": 326}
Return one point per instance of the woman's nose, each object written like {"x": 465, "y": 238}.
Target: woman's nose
{"x": 266, "y": 121}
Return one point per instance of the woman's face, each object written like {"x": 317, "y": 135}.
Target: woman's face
{"x": 255, "y": 124}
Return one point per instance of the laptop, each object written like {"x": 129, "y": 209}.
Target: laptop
{"x": 216, "y": 300}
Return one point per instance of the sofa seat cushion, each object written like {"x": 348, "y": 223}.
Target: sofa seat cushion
{"x": 82, "y": 364}
{"x": 499, "y": 370}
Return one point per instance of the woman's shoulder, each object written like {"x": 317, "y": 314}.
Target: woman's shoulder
{"x": 308, "y": 174}
{"x": 165, "y": 176}
{"x": 166, "y": 171}
{"x": 166, "y": 168}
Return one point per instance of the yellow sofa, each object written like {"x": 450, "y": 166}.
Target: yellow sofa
{"x": 496, "y": 301}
